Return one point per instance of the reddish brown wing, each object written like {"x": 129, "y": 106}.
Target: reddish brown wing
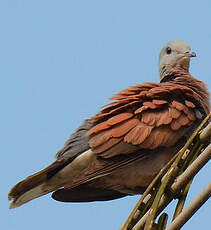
{"x": 146, "y": 116}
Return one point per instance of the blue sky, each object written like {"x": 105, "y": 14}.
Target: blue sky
{"x": 60, "y": 62}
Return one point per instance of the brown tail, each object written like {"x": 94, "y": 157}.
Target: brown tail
{"x": 31, "y": 187}
{"x": 49, "y": 179}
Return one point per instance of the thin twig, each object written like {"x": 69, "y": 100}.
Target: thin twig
{"x": 181, "y": 200}
{"x": 153, "y": 210}
{"x": 162, "y": 221}
{"x": 191, "y": 208}
{"x": 192, "y": 170}
{"x": 206, "y": 133}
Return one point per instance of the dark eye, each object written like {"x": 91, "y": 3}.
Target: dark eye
{"x": 168, "y": 50}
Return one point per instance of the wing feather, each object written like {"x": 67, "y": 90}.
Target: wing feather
{"x": 174, "y": 113}
{"x": 122, "y": 129}
{"x": 190, "y": 104}
{"x": 183, "y": 120}
{"x": 107, "y": 145}
{"x": 175, "y": 125}
{"x": 138, "y": 134}
{"x": 146, "y": 116}
{"x": 119, "y": 118}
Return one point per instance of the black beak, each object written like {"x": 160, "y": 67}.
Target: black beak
{"x": 190, "y": 54}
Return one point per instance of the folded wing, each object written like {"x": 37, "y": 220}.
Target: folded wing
{"x": 148, "y": 116}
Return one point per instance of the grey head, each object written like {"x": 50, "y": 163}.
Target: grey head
{"x": 175, "y": 53}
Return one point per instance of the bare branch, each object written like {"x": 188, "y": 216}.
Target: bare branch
{"x": 206, "y": 133}
{"x": 189, "y": 211}
{"x": 192, "y": 170}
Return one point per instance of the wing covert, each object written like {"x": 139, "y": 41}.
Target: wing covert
{"x": 146, "y": 116}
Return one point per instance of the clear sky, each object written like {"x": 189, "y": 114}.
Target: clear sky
{"x": 60, "y": 61}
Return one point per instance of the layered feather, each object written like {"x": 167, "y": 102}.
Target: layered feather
{"x": 147, "y": 116}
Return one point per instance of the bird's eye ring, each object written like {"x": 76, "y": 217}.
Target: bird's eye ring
{"x": 168, "y": 50}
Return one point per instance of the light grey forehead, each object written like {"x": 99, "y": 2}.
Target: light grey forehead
{"x": 176, "y": 45}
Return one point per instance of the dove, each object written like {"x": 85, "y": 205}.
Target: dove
{"x": 121, "y": 149}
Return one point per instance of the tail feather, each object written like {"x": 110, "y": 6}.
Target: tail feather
{"x": 27, "y": 196}
{"x": 27, "y": 184}
{"x": 49, "y": 179}
{"x": 32, "y": 186}
{"x": 35, "y": 179}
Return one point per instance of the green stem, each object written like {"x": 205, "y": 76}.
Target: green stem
{"x": 181, "y": 200}
{"x": 162, "y": 221}
{"x": 195, "y": 150}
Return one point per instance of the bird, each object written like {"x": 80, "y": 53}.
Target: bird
{"x": 120, "y": 150}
